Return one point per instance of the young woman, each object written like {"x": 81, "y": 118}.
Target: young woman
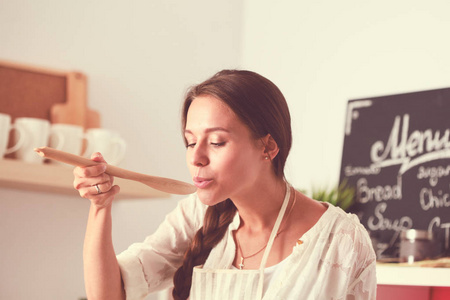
{"x": 246, "y": 233}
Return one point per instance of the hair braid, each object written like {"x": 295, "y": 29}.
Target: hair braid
{"x": 215, "y": 224}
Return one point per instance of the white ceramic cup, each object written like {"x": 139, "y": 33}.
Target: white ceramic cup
{"x": 5, "y": 128}
{"x": 67, "y": 138}
{"x": 107, "y": 142}
{"x": 35, "y": 133}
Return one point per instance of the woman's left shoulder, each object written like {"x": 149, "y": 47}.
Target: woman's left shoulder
{"x": 343, "y": 219}
{"x": 347, "y": 228}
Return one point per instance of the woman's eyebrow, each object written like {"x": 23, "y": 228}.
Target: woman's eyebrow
{"x": 209, "y": 130}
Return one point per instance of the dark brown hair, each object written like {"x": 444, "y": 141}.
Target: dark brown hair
{"x": 259, "y": 104}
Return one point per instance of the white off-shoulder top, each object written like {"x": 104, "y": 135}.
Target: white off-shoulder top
{"x": 334, "y": 261}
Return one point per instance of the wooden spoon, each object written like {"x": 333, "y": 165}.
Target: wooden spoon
{"x": 167, "y": 185}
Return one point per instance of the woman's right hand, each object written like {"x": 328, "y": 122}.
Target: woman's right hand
{"x": 94, "y": 184}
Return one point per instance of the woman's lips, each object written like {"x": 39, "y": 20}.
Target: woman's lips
{"x": 201, "y": 183}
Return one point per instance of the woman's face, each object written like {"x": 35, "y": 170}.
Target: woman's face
{"x": 223, "y": 157}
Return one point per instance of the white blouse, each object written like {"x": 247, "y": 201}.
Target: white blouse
{"x": 270, "y": 273}
{"x": 335, "y": 261}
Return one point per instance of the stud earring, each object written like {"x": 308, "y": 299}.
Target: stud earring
{"x": 266, "y": 157}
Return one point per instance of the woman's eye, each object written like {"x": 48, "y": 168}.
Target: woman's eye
{"x": 218, "y": 144}
{"x": 190, "y": 145}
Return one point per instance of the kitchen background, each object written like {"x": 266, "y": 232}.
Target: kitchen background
{"x": 141, "y": 56}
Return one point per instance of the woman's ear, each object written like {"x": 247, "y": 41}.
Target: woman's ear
{"x": 270, "y": 147}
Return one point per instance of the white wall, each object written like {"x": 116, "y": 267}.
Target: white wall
{"x": 140, "y": 57}
{"x": 322, "y": 53}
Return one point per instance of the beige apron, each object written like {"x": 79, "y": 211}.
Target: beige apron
{"x": 225, "y": 284}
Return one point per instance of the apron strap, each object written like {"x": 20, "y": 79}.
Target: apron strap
{"x": 273, "y": 234}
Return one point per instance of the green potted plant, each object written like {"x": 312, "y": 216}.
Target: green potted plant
{"x": 342, "y": 195}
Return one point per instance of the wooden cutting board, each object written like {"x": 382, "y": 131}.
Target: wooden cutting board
{"x": 39, "y": 92}
{"x": 74, "y": 110}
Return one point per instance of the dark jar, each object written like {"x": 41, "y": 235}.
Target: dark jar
{"x": 415, "y": 245}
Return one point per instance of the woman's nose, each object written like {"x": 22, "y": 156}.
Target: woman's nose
{"x": 199, "y": 156}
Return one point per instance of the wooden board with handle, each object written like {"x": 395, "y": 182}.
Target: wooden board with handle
{"x": 74, "y": 110}
{"x": 38, "y": 92}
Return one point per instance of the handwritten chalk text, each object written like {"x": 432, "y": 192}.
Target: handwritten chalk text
{"x": 379, "y": 222}
{"x": 429, "y": 200}
{"x": 433, "y": 173}
{"x": 365, "y": 194}
{"x": 402, "y": 146}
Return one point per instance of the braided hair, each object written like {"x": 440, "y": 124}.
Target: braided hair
{"x": 216, "y": 221}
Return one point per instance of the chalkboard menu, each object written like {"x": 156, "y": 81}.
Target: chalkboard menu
{"x": 397, "y": 157}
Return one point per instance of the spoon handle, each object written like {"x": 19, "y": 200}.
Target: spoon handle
{"x": 167, "y": 185}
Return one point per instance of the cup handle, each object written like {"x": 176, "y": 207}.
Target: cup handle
{"x": 20, "y": 142}
{"x": 120, "y": 149}
{"x": 85, "y": 143}
{"x": 60, "y": 138}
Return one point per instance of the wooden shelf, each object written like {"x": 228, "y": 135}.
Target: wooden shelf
{"x": 390, "y": 274}
{"x": 59, "y": 178}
